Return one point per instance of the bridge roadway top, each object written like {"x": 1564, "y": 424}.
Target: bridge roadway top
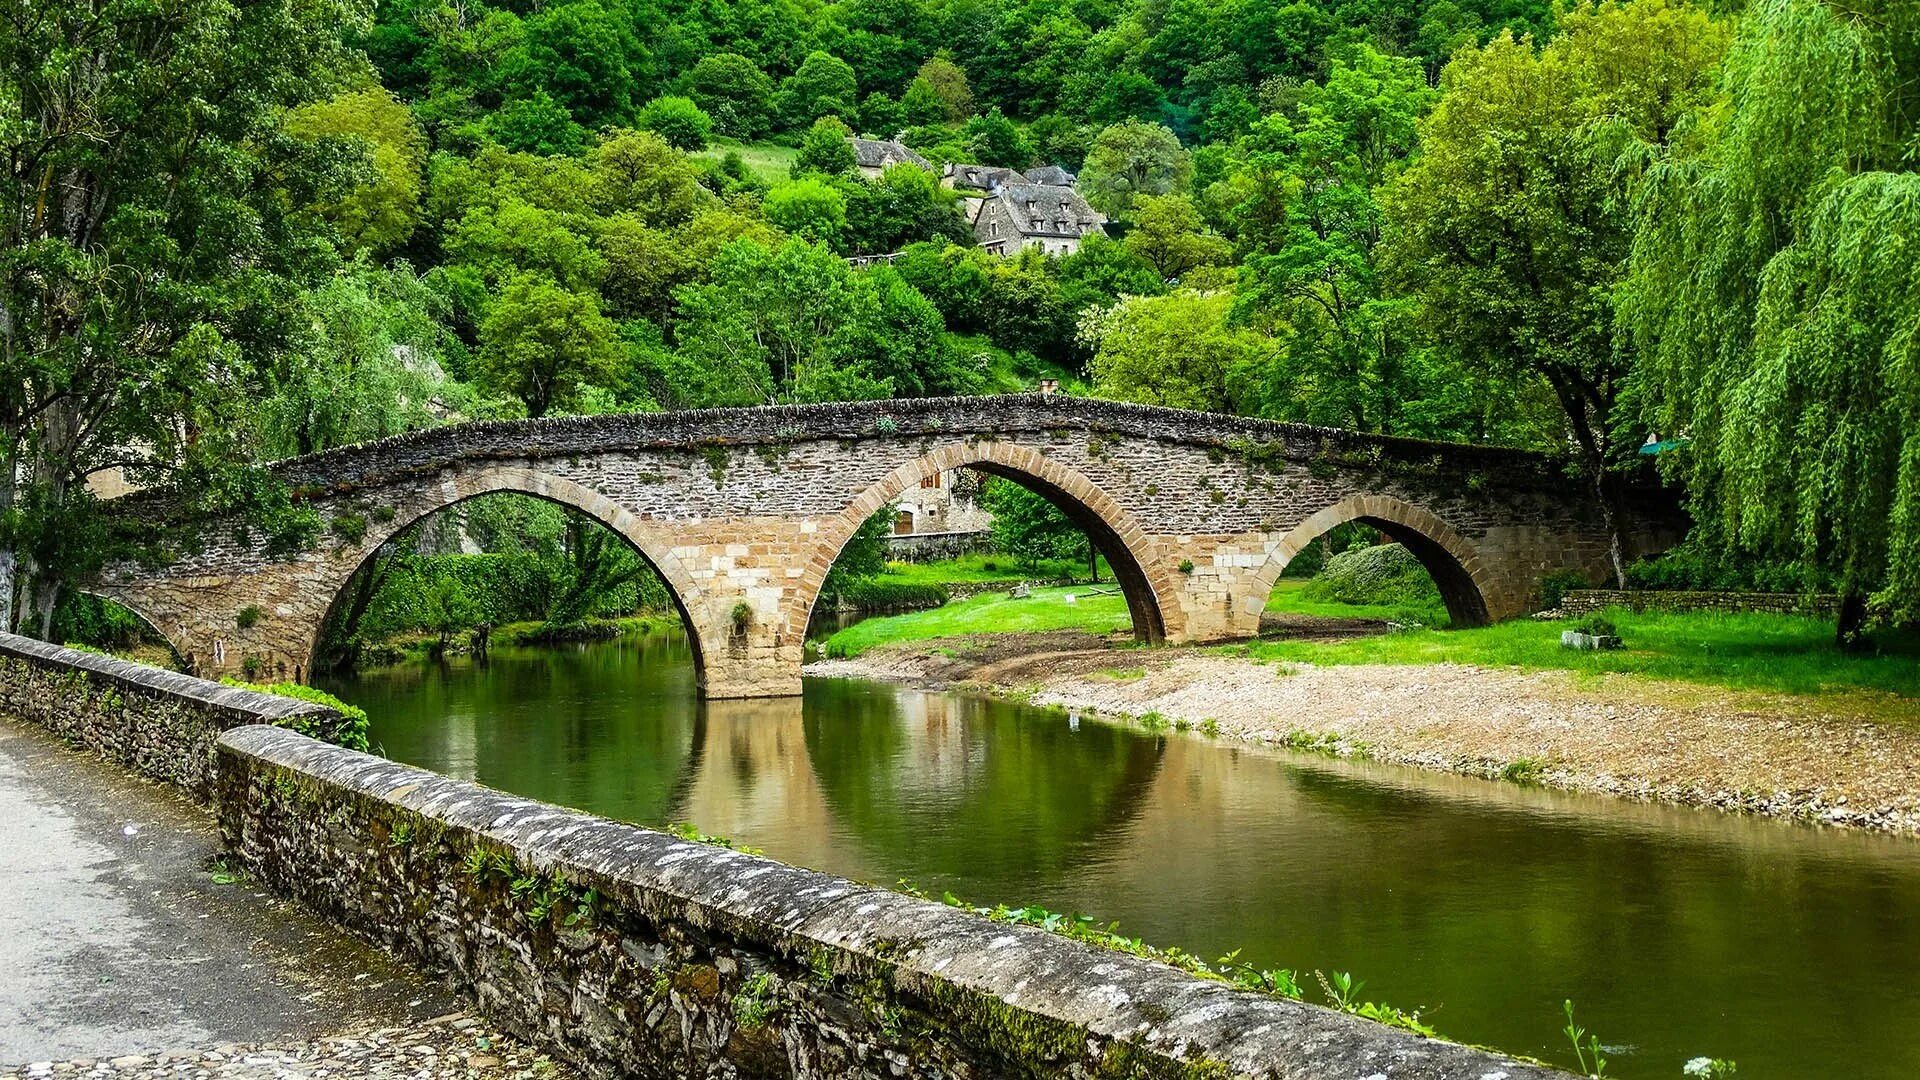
{"x": 896, "y": 418}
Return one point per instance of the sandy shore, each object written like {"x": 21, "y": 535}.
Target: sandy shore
{"x": 1816, "y": 760}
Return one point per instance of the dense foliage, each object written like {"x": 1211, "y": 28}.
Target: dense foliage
{"x": 277, "y": 229}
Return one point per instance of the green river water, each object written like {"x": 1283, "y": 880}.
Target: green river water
{"x": 1677, "y": 933}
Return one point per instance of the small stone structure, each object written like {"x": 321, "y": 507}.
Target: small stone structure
{"x": 743, "y": 511}
{"x": 159, "y": 723}
{"x": 636, "y": 953}
{"x": 1587, "y": 601}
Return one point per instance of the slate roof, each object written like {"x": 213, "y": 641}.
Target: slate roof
{"x": 880, "y": 153}
{"x": 1051, "y": 175}
{"x": 1042, "y": 210}
{"x": 980, "y": 177}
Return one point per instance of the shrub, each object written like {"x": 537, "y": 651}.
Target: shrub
{"x": 1698, "y": 566}
{"x": 350, "y": 731}
{"x": 1381, "y": 574}
{"x": 1596, "y": 625}
{"x": 81, "y": 618}
{"x": 1555, "y": 586}
{"x": 873, "y": 595}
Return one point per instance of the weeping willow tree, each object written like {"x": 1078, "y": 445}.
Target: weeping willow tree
{"x": 1773, "y": 293}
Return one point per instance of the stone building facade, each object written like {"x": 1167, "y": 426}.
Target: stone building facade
{"x": 743, "y": 511}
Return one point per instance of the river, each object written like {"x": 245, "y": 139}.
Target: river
{"x": 1677, "y": 933}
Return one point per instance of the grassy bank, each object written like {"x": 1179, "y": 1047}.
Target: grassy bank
{"x": 1777, "y": 653}
{"x": 1046, "y": 609}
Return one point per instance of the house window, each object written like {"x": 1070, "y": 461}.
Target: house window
{"x": 930, "y": 481}
{"x": 903, "y": 523}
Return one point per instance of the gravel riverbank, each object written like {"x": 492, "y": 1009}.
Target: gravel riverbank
{"x": 1839, "y": 762}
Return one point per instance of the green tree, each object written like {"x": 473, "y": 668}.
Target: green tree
{"x": 364, "y": 364}
{"x": 154, "y": 235}
{"x": 947, "y": 82}
{"x": 808, "y": 207}
{"x": 733, "y": 91}
{"x": 1509, "y": 226}
{"x": 1132, "y": 159}
{"x": 678, "y": 121}
{"x": 906, "y": 205}
{"x": 543, "y": 344}
{"x": 922, "y": 104}
{"x": 1310, "y": 224}
{"x": 382, "y": 208}
{"x": 824, "y": 85}
{"x": 585, "y": 56}
{"x": 1030, "y": 528}
{"x": 1167, "y": 233}
{"x": 536, "y": 124}
{"x": 1774, "y": 296}
{"x": 636, "y": 172}
{"x": 1176, "y": 350}
{"x": 992, "y": 139}
{"x": 825, "y": 149}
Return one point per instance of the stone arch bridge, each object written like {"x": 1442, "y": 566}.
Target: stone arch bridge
{"x": 742, "y": 512}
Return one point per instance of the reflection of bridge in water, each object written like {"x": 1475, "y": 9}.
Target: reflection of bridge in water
{"x": 743, "y": 511}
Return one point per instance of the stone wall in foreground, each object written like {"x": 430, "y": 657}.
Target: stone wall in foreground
{"x": 633, "y": 952}
{"x": 159, "y": 723}
{"x": 1587, "y": 601}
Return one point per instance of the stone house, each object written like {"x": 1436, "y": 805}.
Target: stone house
{"x": 1017, "y": 216}
{"x": 947, "y": 501}
{"x": 959, "y": 176}
{"x": 873, "y": 156}
{"x": 1052, "y": 176}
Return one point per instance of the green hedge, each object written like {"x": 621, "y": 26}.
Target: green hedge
{"x": 874, "y": 595}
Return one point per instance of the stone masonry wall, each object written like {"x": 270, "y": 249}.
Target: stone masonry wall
{"x": 159, "y": 723}
{"x": 635, "y": 953}
{"x": 1587, "y": 601}
{"x": 743, "y": 512}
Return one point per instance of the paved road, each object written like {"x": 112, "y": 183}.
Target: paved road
{"x": 115, "y": 939}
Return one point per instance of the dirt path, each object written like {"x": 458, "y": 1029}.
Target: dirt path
{"x": 1617, "y": 734}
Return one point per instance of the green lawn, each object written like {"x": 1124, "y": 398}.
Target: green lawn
{"x": 764, "y": 160}
{"x": 1289, "y": 598}
{"x": 1779, "y": 653}
{"x": 992, "y": 613}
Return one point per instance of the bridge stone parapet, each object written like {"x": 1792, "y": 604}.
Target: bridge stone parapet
{"x": 631, "y": 952}
{"x": 743, "y": 511}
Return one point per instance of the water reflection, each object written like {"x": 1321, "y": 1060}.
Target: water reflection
{"x": 1677, "y": 932}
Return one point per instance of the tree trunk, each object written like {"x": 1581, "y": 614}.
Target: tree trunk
{"x": 1607, "y": 489}
{"x": 1093, "y": 561}
{"x": 1851, "y": 631}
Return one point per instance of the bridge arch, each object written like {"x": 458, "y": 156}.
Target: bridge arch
{"x": 635, "y": 530}
{"x": 1149, "y": 592}
{"x": 1451, "y": 560}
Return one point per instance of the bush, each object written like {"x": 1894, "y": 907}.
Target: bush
{"x": 1695, "y": 566}
{"x": 873, "y": 595}
{"x": 1385, "y": 574}
{"x": 1555, "y": 586}
{"x": 349, "y": 732}
{"x": 1596, "y": 625}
